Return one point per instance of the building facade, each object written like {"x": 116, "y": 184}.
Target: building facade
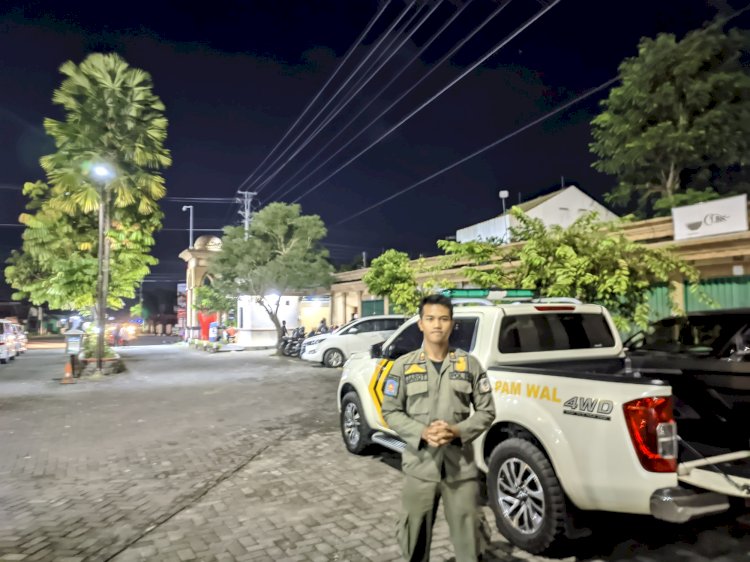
{"x": 722, "y": 259}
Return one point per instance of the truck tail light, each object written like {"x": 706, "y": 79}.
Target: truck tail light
{"x": 654, "y": 432}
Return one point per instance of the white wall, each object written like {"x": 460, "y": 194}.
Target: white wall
{"x": 493, "y": 228}
{"x": 255, "y": 328}
{"x": 562, "y": 209}
{"x": 565, "y": 208}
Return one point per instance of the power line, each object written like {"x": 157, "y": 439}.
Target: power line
{"x": 195, "y": 229}
{"x": 482, "y": 150}
{"x": 376, "y": 96}
{"x": 483, "y": 58}
{"x": 437, "y": 65}
{"x": 254, "y": 184}
{"x": 311, "y": 102}
{"x": 200, "y": 199}
{"x": 361, "y": 83}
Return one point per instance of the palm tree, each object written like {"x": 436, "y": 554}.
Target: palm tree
{"x": 113, "y": 119}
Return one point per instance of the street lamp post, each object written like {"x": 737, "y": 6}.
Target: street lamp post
{"x": 503, "y": 196}
{"x": 104, "y": 174}
{"x": 190, "y": 208}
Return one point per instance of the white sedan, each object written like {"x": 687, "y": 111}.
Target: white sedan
{"x": 359, "y": 335}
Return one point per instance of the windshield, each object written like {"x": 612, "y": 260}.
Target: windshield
{"x": 696, "y": 333}
{"x": 344, "y": 327}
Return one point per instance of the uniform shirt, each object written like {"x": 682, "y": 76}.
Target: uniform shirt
{"x": 416, "y": 394}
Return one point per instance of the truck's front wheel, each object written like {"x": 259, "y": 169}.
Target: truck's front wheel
{"x": 525, "y": 495}
{"x": 354, "y": 428}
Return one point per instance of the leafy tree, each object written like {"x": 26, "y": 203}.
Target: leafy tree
{"x": 209, "y": 299}
{"x": 591, "y": 260}
{"x": 282, "y": 254}
{"x": 404, "y": 282}
{"x": 113, "y": 117}
{"x": 679, "y": 123}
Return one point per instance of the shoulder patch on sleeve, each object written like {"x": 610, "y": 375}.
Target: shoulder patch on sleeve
{"x": 484, "y": 384}
{"x": 390, "y": 388}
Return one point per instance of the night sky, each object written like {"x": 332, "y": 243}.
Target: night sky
{"x": 234, "y": 75}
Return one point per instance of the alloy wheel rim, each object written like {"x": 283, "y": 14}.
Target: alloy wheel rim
{"x": 352, "y": 424}
{"x": 520, "y": 495}
{"x": 335, "y": 359}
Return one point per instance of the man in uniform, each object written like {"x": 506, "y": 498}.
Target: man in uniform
{"x": 427, "y": 400}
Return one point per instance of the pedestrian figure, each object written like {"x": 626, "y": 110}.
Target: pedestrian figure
{"x": 427, "y": 399}
{"x": 283, "y": 328}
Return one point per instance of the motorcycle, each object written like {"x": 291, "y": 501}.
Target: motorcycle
{"x": 291, "y": 345}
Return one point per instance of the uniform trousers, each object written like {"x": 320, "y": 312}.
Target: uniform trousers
{"x": 419, "y": 505}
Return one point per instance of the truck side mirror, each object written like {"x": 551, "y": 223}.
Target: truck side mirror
{"x": 376, "y": 350}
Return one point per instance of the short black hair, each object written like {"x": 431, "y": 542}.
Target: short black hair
{"x": 436, "y": 299}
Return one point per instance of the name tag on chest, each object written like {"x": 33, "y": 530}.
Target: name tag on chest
{"x": 416, "y": 377}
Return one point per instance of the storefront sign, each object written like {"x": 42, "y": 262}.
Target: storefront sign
{"x": 722, "y": 216}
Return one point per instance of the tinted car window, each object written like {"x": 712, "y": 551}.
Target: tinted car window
{"x": 686, "y": 333}
{"x": 463, "y": 336}
{"x": 408, "y": 340}
{"x": 526, "y": 333}
{"x": 392, "y": 323}
{"x": 366, "y": 326}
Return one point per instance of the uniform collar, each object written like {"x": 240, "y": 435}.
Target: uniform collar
{"x": 422, "y": 357}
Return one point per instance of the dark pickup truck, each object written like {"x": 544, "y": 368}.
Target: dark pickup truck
{"x": 705, "y": 356}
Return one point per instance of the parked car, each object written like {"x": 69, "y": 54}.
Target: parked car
{"x": 22, "y": 338}
{"x": 8, "y": 349}
{"x": 335, "y": 348}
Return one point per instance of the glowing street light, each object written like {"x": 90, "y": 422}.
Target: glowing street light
{"x": 103, "y": 172}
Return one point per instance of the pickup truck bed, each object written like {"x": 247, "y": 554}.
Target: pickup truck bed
{"x": 711, "y": 408}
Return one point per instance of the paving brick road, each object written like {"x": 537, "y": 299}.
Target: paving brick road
{"x": 230, "y": 456}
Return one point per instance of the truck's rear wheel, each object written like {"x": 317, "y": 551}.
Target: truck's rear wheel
{"x": 354, "y": 428}
{"x": 525, "y": 495}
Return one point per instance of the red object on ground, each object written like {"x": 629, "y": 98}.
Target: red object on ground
{"x": 204, "y": 320}
{"x": 68, "y": 378}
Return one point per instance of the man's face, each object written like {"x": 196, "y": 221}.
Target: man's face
{"x": 436, "y": 323}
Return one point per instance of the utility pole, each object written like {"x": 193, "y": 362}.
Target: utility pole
{"x": 246, "y": 211}
{"x": 364, "y": 259}
{"x": 103, "y": 174}
{"x": 503, "y": 196}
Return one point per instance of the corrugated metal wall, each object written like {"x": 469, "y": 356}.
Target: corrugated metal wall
{"x": 661, "y": 305}
{"x": 373, "y": 307}
{"x": 728, "y": 292}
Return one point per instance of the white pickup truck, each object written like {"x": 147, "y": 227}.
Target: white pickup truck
{"x": 577, "y": 429}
